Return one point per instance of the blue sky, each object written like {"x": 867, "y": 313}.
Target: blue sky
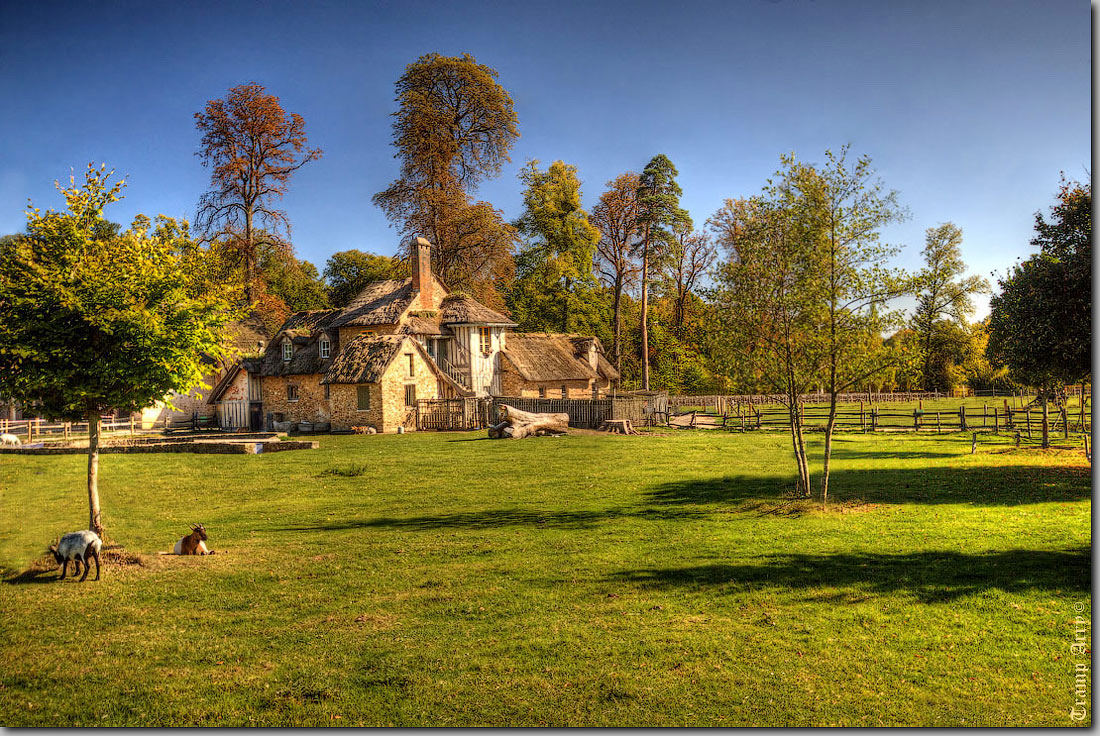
{"x": 969, "y": 109}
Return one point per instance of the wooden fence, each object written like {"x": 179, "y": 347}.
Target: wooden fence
{"x": 1027, "y": 421}
{"x": 452, "y": 414}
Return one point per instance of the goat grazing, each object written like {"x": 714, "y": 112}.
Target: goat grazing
{"x": 194, "y": 543}
{"x": 78, "y": 547}
{"x": 9, "y": 439}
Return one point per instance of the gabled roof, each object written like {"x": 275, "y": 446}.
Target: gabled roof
{"x": 364, "y": 359}
{"x": 379, "y": 303}
{"x": 459, "y": 309}
{"x": 304, "y": 330}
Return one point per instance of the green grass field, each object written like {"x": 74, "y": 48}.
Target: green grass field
{"x": 446, "y": 579}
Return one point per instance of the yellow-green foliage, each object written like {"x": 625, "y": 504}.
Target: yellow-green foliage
{"x": 92, "y": 319}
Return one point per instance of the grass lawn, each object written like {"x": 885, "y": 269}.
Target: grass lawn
{"x": 446, "y": 579}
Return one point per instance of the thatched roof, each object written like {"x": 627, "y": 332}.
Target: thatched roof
{"x": 248, "y": 335}
{"x": 304, "y": 329}
{"x": 379, "y": 303}
{"x": 459, "y": 309}
{"x": 540, "y": 356}
{"x": 419, "y": 326}
{"x": 364, "y": 358}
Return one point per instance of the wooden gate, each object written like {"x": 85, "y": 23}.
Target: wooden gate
{"x": 452, "y": 414}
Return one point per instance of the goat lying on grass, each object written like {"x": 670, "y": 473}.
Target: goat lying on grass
{"x": 194, "y": 543}
{"x": 78, "y": 547}
{"x": 10, "y": 439}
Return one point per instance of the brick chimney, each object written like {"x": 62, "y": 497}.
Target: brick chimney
{"x": 422, "y": 271}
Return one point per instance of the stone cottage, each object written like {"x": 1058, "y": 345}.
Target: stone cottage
{"x": 402, "y": 340}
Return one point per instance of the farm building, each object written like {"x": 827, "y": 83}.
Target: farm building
{"x": 402, "y": 340}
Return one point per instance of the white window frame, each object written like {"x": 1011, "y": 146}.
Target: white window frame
{"x": 325, "y": 347}
{"x": 288, "y": 351}
{"x": 485, "y": 340}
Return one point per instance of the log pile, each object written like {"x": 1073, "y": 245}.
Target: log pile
{"x": 518, "y": 424}
{"x": 618, "y": 426}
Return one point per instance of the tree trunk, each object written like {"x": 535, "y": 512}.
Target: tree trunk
{"x": 94, "y": 522}
{"x": 645, "y": 310}
{"x": 828, "y": 451}
{"x": 518, "y": 424}
{"x": 616, "y": 347}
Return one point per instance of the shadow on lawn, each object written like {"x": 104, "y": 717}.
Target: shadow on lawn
{"x": 932, "y": 576}
{"x": 495, "y": 518}
{"x": 1003, "y": 486}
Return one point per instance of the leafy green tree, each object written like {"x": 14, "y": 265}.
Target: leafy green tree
{"x": 659, "y": 212}
{"x": 348, "y": 271}
{"x": 296, "y": 282}
{"x": 1040, "y": 324}
{"x": 91, "y": 321}
{"x": 944, "y": 294}
{"x": 454, "y": 127}
{"x": 849, "y": 205}
{"x": 556, "y": 266}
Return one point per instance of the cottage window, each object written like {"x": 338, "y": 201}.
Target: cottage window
{"x": 325, "y": 346}
{"x": 486, "y": 340}
{"x": 328, "y": 392}
{"x": 410, "y": 394}
{"x": 412, "y": 364}
{"x": 542, "y": 392}
{"x": 288, "y": 351}
{"x": 291, "y": 392}
{"x": 564, "y": 393}
{"x": 363, "y": 397}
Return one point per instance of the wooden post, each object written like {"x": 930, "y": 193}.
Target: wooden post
{"x": 131, "y": 424}
{"x": 974, "y": 443}
{"x": 985, "y": 410}
{"x": 916, "y": 419}
{"x": 862, "y": 420}
{"x": 996, "y": 422}
{"x": 962, "y": 418}
{"x": 1065, "y": 422}
{"x": 1017, "y": 438}
{"x": 1027, "y": 414}
{"x": 874, "y": 418}
{"x": 937, "y": 422}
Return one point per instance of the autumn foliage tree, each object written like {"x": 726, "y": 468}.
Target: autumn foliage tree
{"x": 252, "y": 147}
{"x": 616, "y": 217}
{"x": 92, "y": 321}
{"x": 454, "y": 127}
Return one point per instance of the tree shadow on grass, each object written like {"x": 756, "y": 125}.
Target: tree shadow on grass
{"x": 497, "y": 518}
{"x": 1003, "y": 486}
{"x": 931, "y": 576}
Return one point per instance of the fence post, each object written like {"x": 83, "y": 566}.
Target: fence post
{"x": 996, "y": 422}
{"x": 937, "y": 422}
{"x": 962, "y": 418}
{"x": 1027, "y": 415}
{"x": 974, "y": 443}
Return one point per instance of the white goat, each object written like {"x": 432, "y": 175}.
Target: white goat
{"x": 78, "y": 547}
{"x": 9, "y": 439}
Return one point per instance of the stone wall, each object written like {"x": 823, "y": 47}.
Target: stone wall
{"x": 311, "y": 405}
{"x": 513, "y": 384}
{"x": 394, "y": 380}
{"x": 345, "y": 403}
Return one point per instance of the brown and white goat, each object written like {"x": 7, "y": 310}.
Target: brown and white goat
{"x": 194, "y": 543}
{"x": 78, "y": 547}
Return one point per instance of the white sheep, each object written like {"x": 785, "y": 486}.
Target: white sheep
{"x": 9, "y": 439}
{"x": 78, "y": 547}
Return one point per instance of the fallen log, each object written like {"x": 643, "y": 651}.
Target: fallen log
{"x": 518, "y": 424}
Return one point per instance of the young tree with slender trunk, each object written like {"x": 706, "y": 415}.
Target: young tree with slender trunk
{"x": 616, "y": 217}
{"x": 454, "y": 128}
{"x": 770, "y": 299}
{"x": 944, "y": 293}
{"x": 93, "y": 322}
{"x": 252, "y": 146}
{"x": 847, "y": 207}
{"x": 659, "y": 212}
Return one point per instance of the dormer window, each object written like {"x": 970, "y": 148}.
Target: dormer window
{"x": 288, "y": 351}
{"x": 324, "y": 346}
